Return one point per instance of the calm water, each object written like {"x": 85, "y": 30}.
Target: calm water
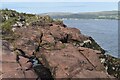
{"x": 105, "y": 32}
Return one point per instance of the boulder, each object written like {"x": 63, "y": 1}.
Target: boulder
{"x": 69, "y": 62}
{"x": 11, "y": 69}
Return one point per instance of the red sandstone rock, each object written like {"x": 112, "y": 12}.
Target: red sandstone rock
{"x": 48, "y": 38}
{"x": 11, "y": 69}
{"x": 63, "y": 58}
{"x": 70, "y": 63}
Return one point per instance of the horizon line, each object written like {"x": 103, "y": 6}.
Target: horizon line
{"x": 61, "y": 11}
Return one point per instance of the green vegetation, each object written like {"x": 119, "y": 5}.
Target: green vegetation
{"x": 58, "y": 21}
{"x": 10, "y": 18}
{"x": 48, "y": 19}
{"x": 113, "y": 65}
{"x": 63, "y": 46}
{"x": 6, "y": 26}
{"x": 93, "y": 45}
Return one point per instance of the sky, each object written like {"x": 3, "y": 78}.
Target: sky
{"x": 59, "y": 0}
{"x": 45, "y": 7}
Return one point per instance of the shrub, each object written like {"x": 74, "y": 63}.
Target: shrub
{"x": 58, "y": 21}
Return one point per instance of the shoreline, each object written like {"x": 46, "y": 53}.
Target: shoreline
{"x": 64, "y": 51}
{"x": 84, "y": 26}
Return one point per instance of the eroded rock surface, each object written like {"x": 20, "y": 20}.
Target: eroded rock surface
{"x": 11, "y": 69}
{"x": 65, "y": 51}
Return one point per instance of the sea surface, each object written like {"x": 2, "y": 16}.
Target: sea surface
{"x": 105, "y": 32}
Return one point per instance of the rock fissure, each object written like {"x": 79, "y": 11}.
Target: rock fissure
{"x": 62, "y": 52}
{"x": 88, "y": 60}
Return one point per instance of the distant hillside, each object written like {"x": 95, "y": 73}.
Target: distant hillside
{"x": 57, "y": 13}
{"x": 85, "y": 15}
